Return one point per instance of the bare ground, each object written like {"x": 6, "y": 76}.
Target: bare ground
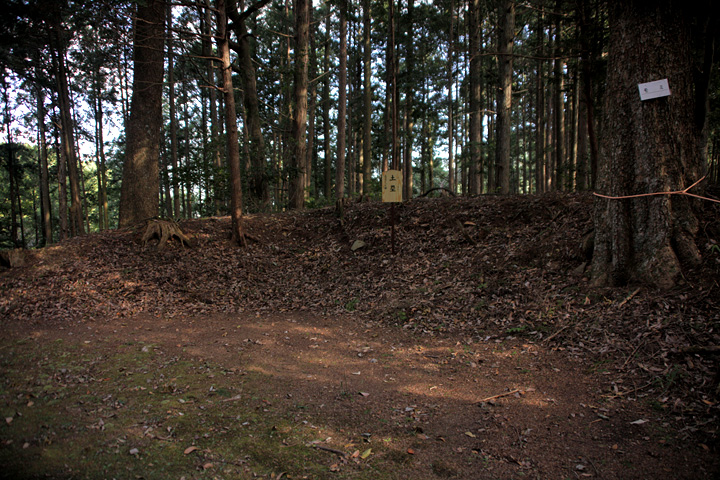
{"x": 479, "y": 349}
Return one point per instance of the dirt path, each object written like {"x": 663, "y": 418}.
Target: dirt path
{"x": 502, "y": 408}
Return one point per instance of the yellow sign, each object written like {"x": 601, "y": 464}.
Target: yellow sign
{"x": 392, "y": 186}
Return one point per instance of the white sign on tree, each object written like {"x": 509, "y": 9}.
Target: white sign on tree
{"x": 650, "y": 90}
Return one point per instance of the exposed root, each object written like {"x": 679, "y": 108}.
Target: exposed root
{"x": 164, "y": 230}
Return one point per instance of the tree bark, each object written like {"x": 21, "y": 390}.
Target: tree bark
{"x": 173, "y": 118}
{"x": 327, "y": 164}
{"x": 45, "y": 206}
{"x": 67, "y": 131}
{"x": 342, "y": 107}
{"x": 259, "y": 180}
{"x": 233, "y": 147}
{"x": 504, "y": 100}
{"x": 140, "y": 180}
{"x": 648, "y": 146}
{"x": 410, "y": 87}
{"x": 367, "y": 98}
{"x": 299, "y": 126}
{"x": 475, "y": 167}
{"x": 540, "y": 179}
{"x": 451, "y": 105}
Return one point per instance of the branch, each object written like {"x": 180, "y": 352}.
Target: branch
{"x": 241, "y": 17}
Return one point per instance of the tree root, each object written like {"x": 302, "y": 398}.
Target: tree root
{"x": 164, "y": 230}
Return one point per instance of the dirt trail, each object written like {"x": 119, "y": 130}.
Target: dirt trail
{"x": 487, "y": 299}
{"x": 543, "y": 416}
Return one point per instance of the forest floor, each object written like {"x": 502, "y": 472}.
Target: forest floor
{"x": 478, "y": 350}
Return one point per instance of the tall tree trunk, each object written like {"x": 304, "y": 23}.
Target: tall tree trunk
{"x": 215, "y": 125}
{"x": 540, "y": 178}
{"x": 259, "y": 181}
{"x": 67, "y": 131}
{"x": 582, "y": 146}
{"x": 312, "y": 110}
{"x": 367, "y": 98}
{"x": 299, "y": 126}
{"x": 173, "y": 117}
{"x": 393, "y": 64}
{"x": 475, "y": 166}
{"x": 586, "y": 80}
{"x": 62, "y": 188}
{"x": 140, "y": 180}
{"x": 45, "y": 206}
{"x": 327, "y": 168}
{"x": 12, "y": 175}
{"x": 342, "y": 106}
{"x": 103, "y": 212}
{"x": 451, "y": 105}
{"x": 409, "y": 103}
{"x": 387, "y": 162}
{"x": 506, "y": 13}
{"x": 649, "y": 146}
{"x": 561, "y": 171}
{"x": 233, "y": 148}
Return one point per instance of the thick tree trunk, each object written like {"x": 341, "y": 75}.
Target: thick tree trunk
{"x": 647, "y": 147}
{"x": 140, "y": 181}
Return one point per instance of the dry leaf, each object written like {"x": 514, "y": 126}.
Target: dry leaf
{"x": 366, "y": 453}
{"x": 189, "y": 450}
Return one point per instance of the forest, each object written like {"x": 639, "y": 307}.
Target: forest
{"x": 547, "y": 312}
{"x": 119, "y": 111}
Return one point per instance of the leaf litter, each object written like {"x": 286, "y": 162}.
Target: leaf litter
{"x": 502, "y": 280}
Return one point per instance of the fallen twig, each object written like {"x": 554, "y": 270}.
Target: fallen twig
{"x": 629, "y": 297}
{"x": 331, "y": 450}
{"x": 622, "y": 394}
{"x": 556, "y": 333}
{"x": 632, "y": 355}
{"x": 512, "y": 392}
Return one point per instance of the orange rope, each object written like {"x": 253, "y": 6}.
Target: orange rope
{"x": 678, "y": 192}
